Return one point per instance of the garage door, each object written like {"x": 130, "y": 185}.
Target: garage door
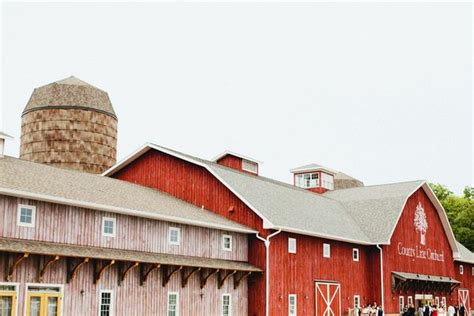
{"x": 328, "y": 299}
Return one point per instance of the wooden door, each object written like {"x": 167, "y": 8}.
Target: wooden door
{"x": 328, "y": 299}
{"x": 463, "y": 299}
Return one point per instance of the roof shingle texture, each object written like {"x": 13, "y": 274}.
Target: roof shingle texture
{"x": 70, "y": 93}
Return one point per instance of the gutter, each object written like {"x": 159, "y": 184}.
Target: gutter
{"x": 267, "y": 268}
{"x": 381, "y": 276}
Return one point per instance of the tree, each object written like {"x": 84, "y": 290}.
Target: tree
{"x": 460, "y": 211}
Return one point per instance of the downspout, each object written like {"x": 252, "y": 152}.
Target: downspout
{"x": 381, "y": 277}
{"x": 267, "y": 268}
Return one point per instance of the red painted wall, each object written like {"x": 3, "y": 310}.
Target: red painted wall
{"x": 231, "y": 162}
{"x": 196, "y": 185}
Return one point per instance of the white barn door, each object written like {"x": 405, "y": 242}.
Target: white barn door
{"x": 328, "y": 299}
{"x": 463, "y": 298}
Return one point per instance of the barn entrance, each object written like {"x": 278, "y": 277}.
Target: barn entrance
{"x": 328, "y": 298}
{"x": 463, "y": 299}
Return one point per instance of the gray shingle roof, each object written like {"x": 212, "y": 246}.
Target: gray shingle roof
{"x": 465, "y": 254}
{"x": 70, "y": 93}
{"x": 39, "y": 181}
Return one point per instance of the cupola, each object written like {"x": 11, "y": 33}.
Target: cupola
{"x": 314, "y": 177}
{"x": 238, "y": 162}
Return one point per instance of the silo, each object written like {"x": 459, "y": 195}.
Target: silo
{"x": 70, "y": 124}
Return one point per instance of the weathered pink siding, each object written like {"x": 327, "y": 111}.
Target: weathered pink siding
{"x": 73, "y": 225}
{"x": 80, "y": 297}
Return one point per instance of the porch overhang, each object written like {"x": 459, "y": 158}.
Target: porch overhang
{"x": 404, "y": 281}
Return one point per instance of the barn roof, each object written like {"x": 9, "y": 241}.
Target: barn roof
{"x": 465, "y": 255}
{"x": 345, "y": 215}
{"x": 70, "y": 93}
{"x": 46, "y": 183}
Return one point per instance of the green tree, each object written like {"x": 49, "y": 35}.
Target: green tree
{"x": 460, "y": 211}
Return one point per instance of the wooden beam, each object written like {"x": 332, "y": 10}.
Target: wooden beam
{"x": 221, "y": 279}
{"x": 167, "y": 276}
{"x": 72, "y": 270}
{"x": 123, "y": 274}
{"x": 238, "y": 279}
{"x": 185, "y": 278}
{"x": 45, "y": 267}
{"x": 15, "y": 264}
{"x": 99, "y": 273}
{"x": 204, "y": 278}
{"x": 144, "y": 274}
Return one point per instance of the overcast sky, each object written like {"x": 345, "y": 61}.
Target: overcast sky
{"x": 382, "y": 92}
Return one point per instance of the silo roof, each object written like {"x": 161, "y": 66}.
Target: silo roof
{"x": 70, "y": 93}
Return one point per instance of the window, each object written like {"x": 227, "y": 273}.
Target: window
{"x": 227, "y": 242}
{"x": 174, "y": 237}
{"x": 307, "y": 180}
{"x": 356, "y": 301}
{"x": 437, "y": 301}
{"x": 410, "y": 301}
{"x": 173, "y": 304}
{"x": 105, "y": 303}
{"x": 355, "y": 254}
{"x": 443, "y": 302}
{"x": 326, "y": 250}
{"x": 472, "y": 270}
{"x": 401, "y": 303}
{"x": 226, "y": 305}
{"x": 461, "y": 269}
{"x": 249, "y": 166}
{"x": 8, "y": 297}
{"x": 108, "y": 226}
{"x": 26, "y": 215}
{"x": 291, "y": 245}
{"x": 327, "y": 180}
{"x": 292, "y": 305}
{"x": 43, "y": 299}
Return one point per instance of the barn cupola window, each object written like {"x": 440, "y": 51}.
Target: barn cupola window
{"x": 314, "y": 178}
{"x": 238, "y": 162}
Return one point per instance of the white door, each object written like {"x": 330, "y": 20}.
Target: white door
{"x": 463, "y": 298}
{"x": 328, "y": 299}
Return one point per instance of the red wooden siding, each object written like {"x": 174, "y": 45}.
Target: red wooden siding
{"x": 231, "y": 162}
{"x": 80, "y": 297}
{"x": 406, "y": 234}
{"x": 73, "y": 225}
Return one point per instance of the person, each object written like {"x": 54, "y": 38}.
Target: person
{"x": 434, "y": 310}
{"x": 380, "y": 311}
{"x": 426, "y": 311}
{"x": 411, "y": 310}
{"x": 405, "y": 310}
{"x": 421, "y": 310}
{"x": 451, "y": 310}
{"x": 462, "y": 310}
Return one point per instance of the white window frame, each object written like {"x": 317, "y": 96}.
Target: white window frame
{"x": 443, "y": 302}
{"x": 291, "y": 245}
{"x": 472, "y": 271}
{"x": 410, "y": 301}
{"x": 461, "y": 269}
{"x": 356, "y": 297}
{"x": 112, "y": 219}
{"x": 60, "y": 288}
{"x": 246, "y": 163}
{"x": 355, "y": 251}
{"x": 230, "y": 304}
{"x": 436, "y": 301}
{"x": 174, "y": 229}
{"x": 33, "y": 215}
{"x": 290, "y": 296}
{"x": 223, "y": 242}
{"x": 168, "y": 303}
{"x": 112, "y": 301}
{"x": 401, "y": 303}
{"x": 326, "y": 250}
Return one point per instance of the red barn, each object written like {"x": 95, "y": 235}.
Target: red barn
{"x": 326, "y": 244}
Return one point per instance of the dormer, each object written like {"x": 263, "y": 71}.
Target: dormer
{"x": 238, "y": 162}
{"x": 314, "y": 177}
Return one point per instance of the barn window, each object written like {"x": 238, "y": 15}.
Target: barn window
{"x": 227, "y": 242}
{"x": 292, "y": 305}
{"x": 437, "y": 301}
{"x": 173, "y": 304}
{"x": 249, "y": 166}
{"x": 410, "y": 301}
{"x": 291, "y": 245}
{"x": 174, "y": 236}
{"x": 326, "y": 250}
{"x": 472, "y": 270}
{"x": 401, "y": 304}
{"x": 307, "y": 180}
{"x": 355, "y": 254}
{"x": 356, "y": 301}
{"x": 8, "y": 297}
{"x": 443, "y": 302}
{"x": 26, "y": 215}
{"x": 226, "y": 305}
{"x": 108, "y": 226}
{"x": 461, "y": 269}
{"x": 105, "y": 303}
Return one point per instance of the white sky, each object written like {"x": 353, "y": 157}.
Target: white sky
{"x": 382, "y": 92}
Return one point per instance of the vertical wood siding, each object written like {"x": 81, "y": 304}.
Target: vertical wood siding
{"x": 73, "y": 225}
{"x": 231, "y": 162}
{"x": 80, "y": 297}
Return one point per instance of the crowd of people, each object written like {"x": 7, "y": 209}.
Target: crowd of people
{"x": 369, "y": 310}
{"x": 434, "y": 310}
